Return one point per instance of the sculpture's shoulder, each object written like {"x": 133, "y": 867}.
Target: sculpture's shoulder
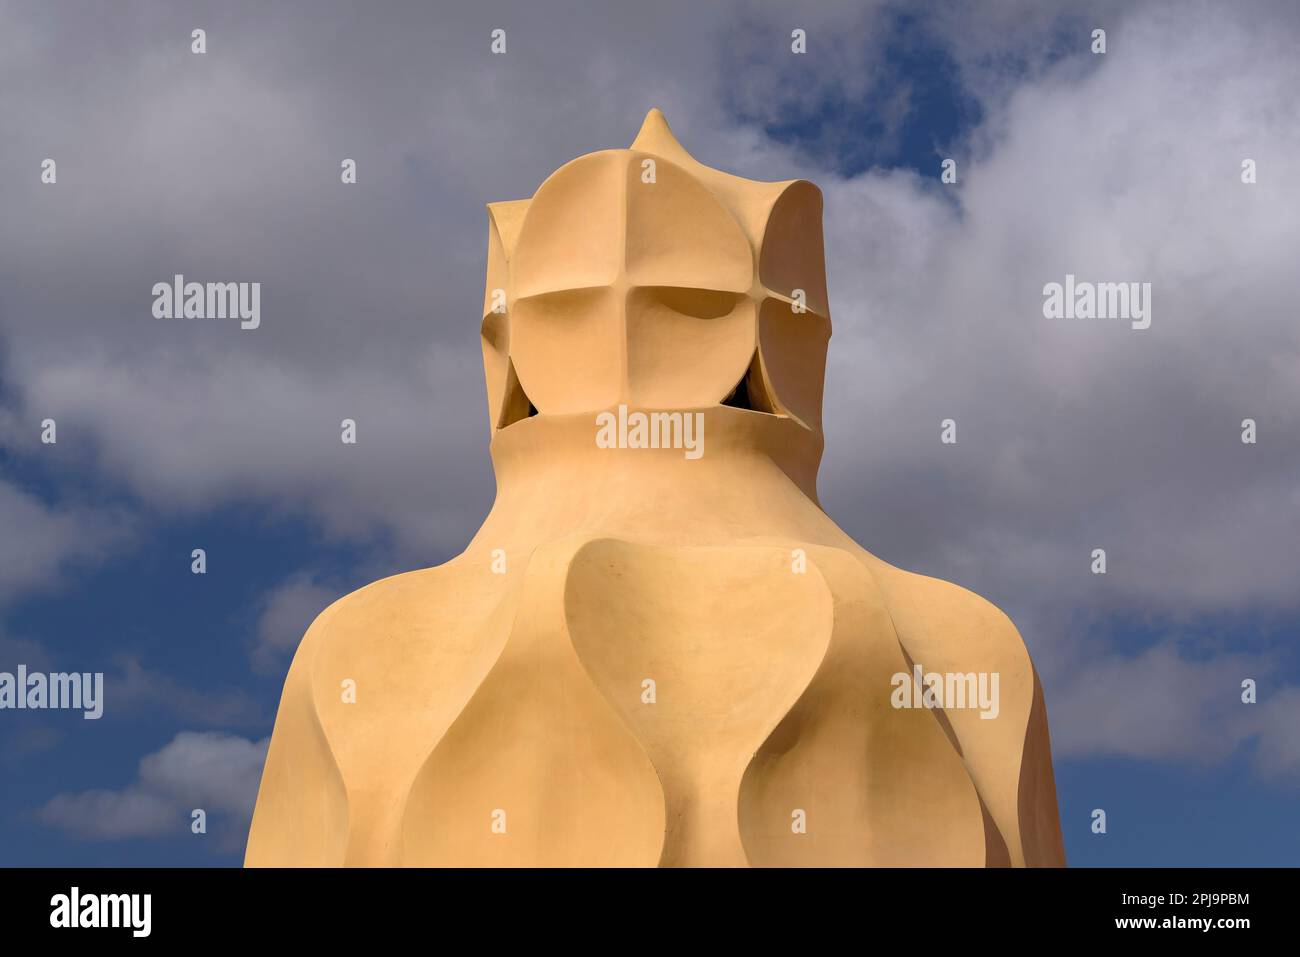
{"x": 949, "y": 623}
{"x": 954, "y": 635}
{"x": 376, "y": 680}
{"x": 405, "y": 648}
{"x": 430, "y": 609}
{"x": 302, "y": 811}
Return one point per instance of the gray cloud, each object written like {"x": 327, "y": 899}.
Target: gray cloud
{"x": 1277, "y": 754}
{"x": 41, "y": 542}
{"x": 23, "y": 742}
{"x": 1158, "y": 704}
{"x": 134, "y": 688}
{"x": 286, "y": 612}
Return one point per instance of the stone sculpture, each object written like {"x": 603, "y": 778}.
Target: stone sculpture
{"x": 658, "y": 649}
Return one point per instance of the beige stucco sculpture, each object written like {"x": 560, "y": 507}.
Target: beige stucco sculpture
{"x": 658, "y": 649}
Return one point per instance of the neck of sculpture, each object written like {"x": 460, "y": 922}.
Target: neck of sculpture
{"x": 742, "y": 474}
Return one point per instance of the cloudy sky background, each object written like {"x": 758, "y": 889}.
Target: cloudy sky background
{"x": 1071, "y": 435}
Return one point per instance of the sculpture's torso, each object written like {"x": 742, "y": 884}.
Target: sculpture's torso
{"x": 481, "y": 689}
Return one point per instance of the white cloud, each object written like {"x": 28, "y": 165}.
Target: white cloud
{"x": 1074, "y": 436}
{"x": 217, "y": 773}
{"x": 1088, "y": 434}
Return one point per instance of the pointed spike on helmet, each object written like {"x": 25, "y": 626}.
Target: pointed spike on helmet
{"x": 657, "y": 137}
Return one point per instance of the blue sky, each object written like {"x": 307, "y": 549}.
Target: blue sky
{"x": 1126, "y": 163}
{"x": 911, "y": 111}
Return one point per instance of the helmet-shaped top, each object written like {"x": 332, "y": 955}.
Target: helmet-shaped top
{"x": 643, "y": 277}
